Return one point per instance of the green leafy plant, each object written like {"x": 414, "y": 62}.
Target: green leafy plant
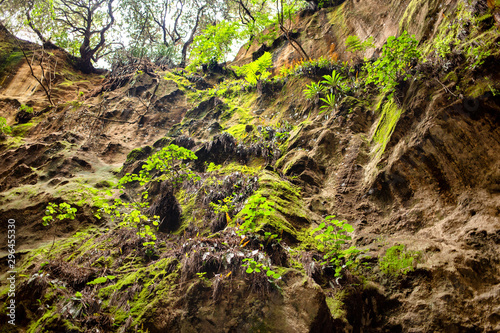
{"x": 313, "y": 90}
{"x": 223, "y": 206}
{"x": 257, "y": 209}
{"x": 4, "y": 128}
{"x": 253, "y": 266}
{"x": 202, "y": 277}
{"x": 256, "y": 70}
{"x": 56, "y": 213}
{"x": 211, "y": 167}
{"x": 26, "y": 108}
{"x": 332, "y": 80}
{"x": 168, "y": 163}
{"x": 131, "y": 215}
{"x": 398, "y": 260}
{"x": 394, "y": 63}
{"x": 332, "y": 236}
{"x": 330, "y": 102}
{"x": 101, "y": 280}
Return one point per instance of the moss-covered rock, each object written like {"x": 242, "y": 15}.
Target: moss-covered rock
{"x": 138, "y": 154}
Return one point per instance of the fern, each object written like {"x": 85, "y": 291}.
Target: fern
{"x": 256, "y": 70}
{"x": 354, "y": 44}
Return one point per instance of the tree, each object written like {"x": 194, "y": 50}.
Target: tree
{"x": 213, "y": 44}
{"x": 169, "y": 24}
{"x": 255, "y": 16}
{"x": 285, "y": 23}
{"x": 72, "y": 24}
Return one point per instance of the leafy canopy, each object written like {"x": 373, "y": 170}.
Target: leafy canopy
{"x": 213, "y": 44}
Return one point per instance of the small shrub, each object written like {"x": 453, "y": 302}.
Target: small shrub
{"x": 224, "y": 206}
{"x": 256, "y": 209}
{"x": 394, "y": 63}
{"x": 168, "y": 163}
{"x": 57, "y": 213}
{"x": 332, "y": 235}
{"x": 330, "y": 102}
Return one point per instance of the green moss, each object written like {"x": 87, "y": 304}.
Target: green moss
{"x": 478, "y": 88}
{"x": 8, "y": 59}
{"x": 181, "y": 81}
{"x": 236, "y": 167}
{"x": 49, "y": 317}
{"x": 22, "y": 129}
{"x": 413, "y": 8}
{"x": 238, "y": 131}
{"x": 188, "y": 206}
{"x": 389, "y": 117}
{"x": 163, "y": 142}
{"x": 138, "y": 154}
{"x": 289, "y": 212}
{"x": 156, "y": 282}
{"x": 338, "y": 20}
{"x": 336, "y": 305}
{"x": 452, "y": 76}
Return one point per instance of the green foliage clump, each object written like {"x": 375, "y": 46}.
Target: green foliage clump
{"x": 394, "y": 63}
{"x": 101, "y": 280}
{"x": 4, "y": 128}
{"x": 165, "y": 164}
{"x": 335, "y": 85}
{"x": 257, "y": 267}
{"x": 57, "y": 213}
{"x": 212, "y": 45}
{"x": 60, "y": 212}
{"x": 398, "y": 261}
{"x": 26, "y": 108}
{"x": 332, "y": 235}
{"x": 256, "y": 70}
{"x": 302, "y": 67}
{"x": 313, "y": 90}
{"x": 224, "y": 206}
{"x": 256, "y": 209}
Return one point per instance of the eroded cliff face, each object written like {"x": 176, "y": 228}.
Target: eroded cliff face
{"x": 420, "y": 170}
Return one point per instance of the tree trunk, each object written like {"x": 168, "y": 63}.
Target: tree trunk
{"x": 84, "y": 63}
